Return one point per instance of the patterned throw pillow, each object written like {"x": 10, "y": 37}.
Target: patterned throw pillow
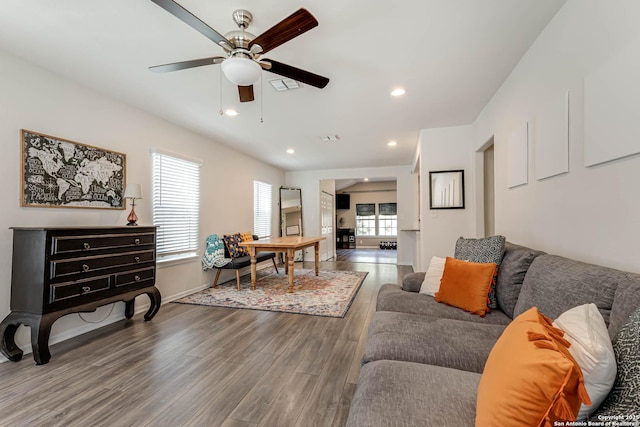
{"x": 246, "y": 237}
{"x": 625, "y": 395}
{"x": 488, "y": 249}
{"x": 231, "y": 242}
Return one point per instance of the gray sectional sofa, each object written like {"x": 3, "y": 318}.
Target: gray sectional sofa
{"x": 424, "y": 360}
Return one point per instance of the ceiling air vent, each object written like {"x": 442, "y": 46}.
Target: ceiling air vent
{"x": 281, "y": 85}
{"x": 329, "y": 138}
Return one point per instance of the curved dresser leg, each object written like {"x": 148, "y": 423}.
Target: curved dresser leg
{"x": 40, "y": 331}
{"x": 8, "y": 347}
{"x": 129, "y": 308}
{"x": 155, "y": 299}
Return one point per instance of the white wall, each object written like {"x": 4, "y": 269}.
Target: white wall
{"x": 309, "y": 181}
{"x": 34, "y": 99}
{"x": 590, "y": 214}
{"x": 445, "y": 149}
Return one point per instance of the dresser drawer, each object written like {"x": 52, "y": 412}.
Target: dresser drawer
{"x": 87, "y": 265}
{"x": 77, "y": 288}
{"x": 69, "y": 244}
{"x": 135, "y": 276}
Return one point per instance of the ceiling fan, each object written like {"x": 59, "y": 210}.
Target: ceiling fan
{"x": 242, "y": 64}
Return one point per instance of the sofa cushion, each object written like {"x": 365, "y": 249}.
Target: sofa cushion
{"x": 392, "y": 298}
{"x": 392, "y": 393}
{"x": 231, "y": 241}
{"x": 625, "y": 302}
{"x": 487, "y": 249}
{"x": 624, "y": 398}
{"x": 584, "y": 328}
{"x": 412, "y": 282}
{"x": 530, "y": 376}
{"x": 555, "y": 284}
{"x": 514, "y": 266}
{"x": 425, "y": 339}
{"x": 466, "y": 285}
{"x": 432, "y": 277}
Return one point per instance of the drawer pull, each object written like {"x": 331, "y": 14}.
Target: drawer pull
{"x": 136, "y": 259}
{"x": 138, "y": 278}
{"x": 86, "y": 246}
{"x": 85, "y": 267}
{"x": 86, "y": 289}
{"x": 137, "y": 241}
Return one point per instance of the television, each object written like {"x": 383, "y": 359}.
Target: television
{"x": 343, "y": 201}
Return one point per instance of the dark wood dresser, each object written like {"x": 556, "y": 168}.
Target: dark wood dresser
{"x": 62, "y": 270}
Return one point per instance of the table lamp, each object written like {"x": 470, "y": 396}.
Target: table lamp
{"x": 133, "y": 192}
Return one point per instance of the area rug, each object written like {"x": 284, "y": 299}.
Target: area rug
{"x": 330, "y": 294}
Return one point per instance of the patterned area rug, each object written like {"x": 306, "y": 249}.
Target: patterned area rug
{"x": 330, "y": 294}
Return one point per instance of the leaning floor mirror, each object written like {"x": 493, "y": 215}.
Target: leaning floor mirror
{"x": 291, "y": 214}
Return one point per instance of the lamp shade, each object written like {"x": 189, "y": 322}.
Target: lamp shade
{"x": 133, "y": 191}
{"x": 241, "y": 71}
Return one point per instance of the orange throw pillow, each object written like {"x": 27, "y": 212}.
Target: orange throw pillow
{"x": 530, "y": 377}
{"x": 246, "y": 237}
{"x": 466, "y": 285}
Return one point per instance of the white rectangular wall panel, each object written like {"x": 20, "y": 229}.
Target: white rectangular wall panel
{"x": 518, "y": 156}
{"x": 612, "y": 108}
{"x": 552, "y": 137}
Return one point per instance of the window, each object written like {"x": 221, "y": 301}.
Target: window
{"x": 262, "y": 208}
{"x": 176, "y": 205}
{"x": 365, "y": 219}
{"x": 387, "y": 219}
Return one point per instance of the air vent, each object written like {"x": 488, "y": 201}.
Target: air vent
{"x": 281, "y": 85}
{"x": 329, "y": 138}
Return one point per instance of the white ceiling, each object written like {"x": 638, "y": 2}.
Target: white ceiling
{"x": 450, "y": 56}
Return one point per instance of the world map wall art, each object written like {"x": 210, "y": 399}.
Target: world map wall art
{"x": 66, "y": 174}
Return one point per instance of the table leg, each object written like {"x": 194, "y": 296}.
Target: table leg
{"x": 317, "y": 250}
{"x": 286, "y": 263}
{"x": 252, "y": 252}
{"x": 290, "y": 256}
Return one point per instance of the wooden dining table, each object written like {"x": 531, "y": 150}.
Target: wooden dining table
{"x": 289, "y": 245}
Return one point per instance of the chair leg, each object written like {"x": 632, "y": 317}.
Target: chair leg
{"x": 238, "y": 278}
{"x": 275, "y": 265}
{"x": 215, "y": 281}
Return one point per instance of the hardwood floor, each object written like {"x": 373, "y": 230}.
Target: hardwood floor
{"x": 379, "y": 256}
{"x": 201, "y": 366}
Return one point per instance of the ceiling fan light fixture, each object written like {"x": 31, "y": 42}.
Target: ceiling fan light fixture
{"x": 241, "y": 71}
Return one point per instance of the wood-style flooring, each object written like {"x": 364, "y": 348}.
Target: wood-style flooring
{"x": 380, "y": 256}
{"x": 201, "y": 366}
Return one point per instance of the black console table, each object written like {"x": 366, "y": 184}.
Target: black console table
{"x": 61, "y": 270}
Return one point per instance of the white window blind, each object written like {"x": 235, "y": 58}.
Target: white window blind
{"x": 176, "y": 205}
{"x": 262, "y": 208}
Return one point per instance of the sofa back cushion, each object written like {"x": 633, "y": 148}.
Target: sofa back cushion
{"x": 555, "y": 284}
{"x": 515, "y": 263}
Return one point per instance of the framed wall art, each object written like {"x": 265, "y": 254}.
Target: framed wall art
{"x": 57, "y": 173}
{"x": 446, "y": 189}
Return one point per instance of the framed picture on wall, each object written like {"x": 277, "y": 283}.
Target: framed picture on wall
{"x": 446, "y": 189}
{"x": 57, "y": 173}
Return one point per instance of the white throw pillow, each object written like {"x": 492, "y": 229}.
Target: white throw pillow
{"x": 431, "y": 283}
{"x": 591, "y": 347}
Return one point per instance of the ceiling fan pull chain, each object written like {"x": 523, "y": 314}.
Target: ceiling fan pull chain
{"x": 220, "y": 87}
{"x": 261, "y": 98}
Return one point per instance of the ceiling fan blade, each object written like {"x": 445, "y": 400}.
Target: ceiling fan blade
{"x": 190, "y": 19}
{"x": 175, "y": 66}
{"x": 294, "y": 73}
{"x": 246, "y": 93}
{"x": 290, "y": 27}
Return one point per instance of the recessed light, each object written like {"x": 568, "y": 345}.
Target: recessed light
{"x": 398, "y": 92}
{"x": 392, "y": 143}
{"x": 291, "y": 151}
{"x": 366, "y": 179}
{"x": 231, "y": 113}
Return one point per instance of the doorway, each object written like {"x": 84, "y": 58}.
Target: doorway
{"x": 489, "y": 190}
